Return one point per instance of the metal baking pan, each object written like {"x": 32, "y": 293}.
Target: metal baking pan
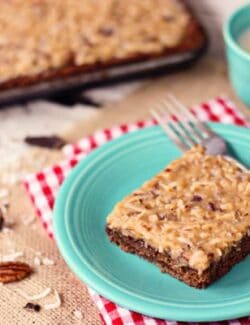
{"x": 74, "y": 84}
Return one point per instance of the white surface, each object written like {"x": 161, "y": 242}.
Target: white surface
{"x": 112, "y": 93}
{"x": 44, "y": 118}
{"x": 37, "y": 118}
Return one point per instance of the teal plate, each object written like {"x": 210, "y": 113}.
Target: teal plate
{"x": 87, "y": 197}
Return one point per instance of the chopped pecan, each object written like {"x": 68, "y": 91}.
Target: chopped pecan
{"x": 13, "y": 271}
{"x": 141, "y": 201}
{"x": 147, "y": 206}
{"x": 156, "y": 186}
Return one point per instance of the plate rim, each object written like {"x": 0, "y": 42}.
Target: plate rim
{"x": 97, "y": 284}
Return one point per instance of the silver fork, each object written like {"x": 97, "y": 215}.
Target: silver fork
{"x": 186, "y": 130}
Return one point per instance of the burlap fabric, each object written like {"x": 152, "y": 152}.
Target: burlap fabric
{"x": 206, "y": 79}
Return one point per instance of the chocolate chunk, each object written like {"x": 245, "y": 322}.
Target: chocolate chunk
{"x": 167, "y": 170}
{"x": 32, "y": 307}
{"x": 150, "y": 39}
{"x": 84, "y": 99}
{"x": 197, "y": 198}
{"x": 161, "y": 216}
{"x": 168, "y": 18}
{"x": 87, "y": 41}
{"x": 212, "y": 206}
{"x": 106, "y": 31}
{"x": 154, "y": 193}
{"x": 168, "y": 217}
{"x": 140, "y": 243}
{"x": 237, "y": 213}
{"x": 141, "y": 201}
{"x": 50, "y": 142}
{"x": 1, "y": 220}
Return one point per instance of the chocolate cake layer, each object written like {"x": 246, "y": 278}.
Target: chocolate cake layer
{"x": 176, "y": 267}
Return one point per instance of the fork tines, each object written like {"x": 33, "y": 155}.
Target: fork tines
{"x": 182, "y": 127}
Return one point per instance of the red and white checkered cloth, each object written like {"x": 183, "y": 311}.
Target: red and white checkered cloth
{"x": 43, "y": 187}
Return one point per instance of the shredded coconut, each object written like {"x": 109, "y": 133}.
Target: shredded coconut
{"x": 47, "y": 261}
{"x": 38, "y": 296}
{"x": 28, "y": 220}
{"x": 4, "y": 207}
{"x": 6, "y": 230}
{"x": 37, "y": 261}
{"x": 10, "y": 257}
{"x": 10, "y": 222}
{"x": 56, "y": 304}
{"x": 4, "y": 192}
{"x": 78, "y": 314}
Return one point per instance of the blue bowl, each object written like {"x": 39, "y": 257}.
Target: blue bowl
{"x": 238, "y": 59}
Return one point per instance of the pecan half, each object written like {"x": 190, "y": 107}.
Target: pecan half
{"x": 13, "y": 271}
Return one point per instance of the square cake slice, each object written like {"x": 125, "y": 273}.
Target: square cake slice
{"x": 192, "y": 219}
